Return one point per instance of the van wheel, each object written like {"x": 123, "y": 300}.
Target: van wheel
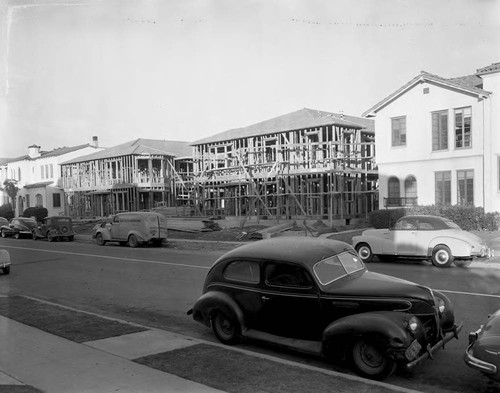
{"x": 132, "y": 241}
{"x": 99, "y": 239}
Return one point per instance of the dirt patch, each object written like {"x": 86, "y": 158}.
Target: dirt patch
{"x": 72, "y": 325}
{"x": 233, "y": 371}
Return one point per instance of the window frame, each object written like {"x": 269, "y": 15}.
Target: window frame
{"x": 462, "y": 128}
{"x": 440, "y": 142}
{"x": 56, "y": 197}
{"x": 239, "y": 280}
{"x": 397, "y": 132}
{"x": 467, "y": 195}
{"x": 444, "y": 191}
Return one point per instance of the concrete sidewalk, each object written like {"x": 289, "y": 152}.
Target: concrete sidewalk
{"x": 53, "y": 364}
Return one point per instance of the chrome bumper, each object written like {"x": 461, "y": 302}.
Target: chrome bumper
{"x": 478, "y": 364}
{"x": 440, "y": 344}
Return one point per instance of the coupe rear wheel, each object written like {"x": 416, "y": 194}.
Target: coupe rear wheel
{"x": 370, "y": 360}
{"x": 225, "y": 328}
{"x": 132, "y": 241}
{"x": 364, "y": 252}
{"x": 442, "y": 256}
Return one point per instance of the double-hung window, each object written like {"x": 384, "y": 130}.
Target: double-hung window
{"x": 465, "y": 183}
{"x": 463, "y": 127}
{"x": 398, "y": 125}
{"x": 442, "y": 183}
{"x": 440, "y": 130}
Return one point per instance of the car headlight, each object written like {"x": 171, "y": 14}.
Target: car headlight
{"x": 440, "y": 304}
{"x": 413, "y": 324}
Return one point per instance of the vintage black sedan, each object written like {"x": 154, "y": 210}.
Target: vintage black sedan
{"x": 18, "y": 227}
{"x": 483, "y": 352}
{"x": 316, "y": 295}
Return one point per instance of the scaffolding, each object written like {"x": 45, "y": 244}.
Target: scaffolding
{"x": 325, "y": 172}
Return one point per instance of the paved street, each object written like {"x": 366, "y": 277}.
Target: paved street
{"x": 155, "y": 287}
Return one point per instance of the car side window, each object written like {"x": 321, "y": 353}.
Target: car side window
{"x": 116, "y": 219}
{"x": 285, "y": 275}
{"x": 425, "y": 226}
{"x": 243, "y": 271}
{"x": 405, "y": 224}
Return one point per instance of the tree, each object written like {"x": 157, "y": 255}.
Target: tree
{"x": 11, "y": 188}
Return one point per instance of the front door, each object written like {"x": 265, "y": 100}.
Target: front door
{"x": 290, "y": 302}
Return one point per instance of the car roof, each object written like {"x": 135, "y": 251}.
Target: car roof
{"x": 437, "y": 221}
{"x": 301, "y": 250}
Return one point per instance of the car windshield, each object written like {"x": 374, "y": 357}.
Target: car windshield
{"x": 335, "y": 267}
{"x": 26, "y": 221}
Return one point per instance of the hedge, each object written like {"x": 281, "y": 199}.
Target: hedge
{"x": 468, "y": 218}
{"x": 6, "y": 211}
{"x": 38, "y": 212}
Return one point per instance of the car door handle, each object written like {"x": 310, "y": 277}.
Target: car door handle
{"x": 265, "y": 298}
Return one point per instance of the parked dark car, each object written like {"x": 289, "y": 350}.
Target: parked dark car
{"x": 55, "y": 228}
{"x": 316, "y": 295}
{"x": 483, "y": 352}
{"x": 5, "y": 261}
{"x": 18, "y": 227}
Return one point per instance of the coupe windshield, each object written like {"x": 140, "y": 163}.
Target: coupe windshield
{"x": 330, "y": 269}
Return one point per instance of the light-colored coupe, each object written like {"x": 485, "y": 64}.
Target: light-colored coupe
{"x": 423, "y": 237}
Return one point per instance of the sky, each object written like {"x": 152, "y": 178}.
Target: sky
{"x": 187, "y": 69}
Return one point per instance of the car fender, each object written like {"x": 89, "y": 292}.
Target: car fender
{"x": 387, "y": 327}
{"x": 137, "y": 234}
{"x": 377, "y": 244}
{"x": 458, "y": 247}
{"x": 213, "y": 300}
{"x": 105, "y": 232}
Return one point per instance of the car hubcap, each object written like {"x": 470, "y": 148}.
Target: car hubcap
{"x": 371, "y": 356}
{"x": 364, "y": 252}
{"x": 442, "y": 257}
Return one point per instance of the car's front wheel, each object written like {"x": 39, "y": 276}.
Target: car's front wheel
{"x": 50, "y": 236}
{"x": 3, "y": 233}
{"x": 442, "y": 256}
{"x": 365, "y": 252}
{"x": 17, "y": 235}
{"x": 33, "y": 234}
{"x": 99, "y": 239}
{"x": 225, "y": 328}
{"x": 370, "y": 360}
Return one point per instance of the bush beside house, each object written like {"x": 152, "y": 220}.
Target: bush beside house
{"x": 6, "y": 211}
{"x": 468, "y": 218}
{"x": 38, "y": 212}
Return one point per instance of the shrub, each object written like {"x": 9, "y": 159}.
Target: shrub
{"x": 469, "y": 218}
{"x": 6, "y": 211}
{"x": 38, "y": 212}
{"x": 385, "y": 218}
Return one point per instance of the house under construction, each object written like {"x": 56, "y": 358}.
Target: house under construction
{"x": 308, "y": 164}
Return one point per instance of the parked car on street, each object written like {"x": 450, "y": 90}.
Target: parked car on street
{"x": 316, "y": 295}
{"x": 483, "y": 352}
{"x": 132, "y": 228}
{"x": 422, "y": 237}
{"x": 55, "y": 228}
{"x": 5, "y": 261}
{"x": 3, "y": 221}
{"x": 18, "y": 227}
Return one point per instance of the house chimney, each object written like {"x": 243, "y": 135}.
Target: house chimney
{"x": 95, "y": 141}
{"x": 34, "y": 151}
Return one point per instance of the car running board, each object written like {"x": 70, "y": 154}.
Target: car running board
{"x": 304, "y": 346}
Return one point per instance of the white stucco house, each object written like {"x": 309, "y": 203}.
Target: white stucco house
{"x": 38, "y": 176}
{"x": 438, "y": 141}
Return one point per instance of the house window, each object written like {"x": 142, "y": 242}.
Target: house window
{"x": 56, "y": 200}
{"x": 440, "y": 130}
{"x": 465, "y": 183}
{"x": 39, "y": 200}
{"x": 411, "y": 190}
{"x": 18, "y": 174}
{"x": 51, "y": 170}
{"x": 393, "y": 192}
{"x": 399, "y": 131}
{"x": 463, "y": 128}
{"x": 443, "y": 188}
{"x": 498, "y": 160}
{"x": 27, "y": 196}
{"x": 42, "y": 172}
